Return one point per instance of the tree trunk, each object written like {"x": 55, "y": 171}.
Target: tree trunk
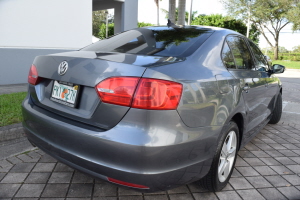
{"x": 276, "y": 46}
{"x": 191, "y": 13}
{"x": 181, "y": 12}
{"x": 172, "y": 9}
{"x": 158, "y": 13}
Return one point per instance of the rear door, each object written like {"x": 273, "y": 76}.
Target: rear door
{"x": 271, "y": 84}
{"x": 251, "y": 81}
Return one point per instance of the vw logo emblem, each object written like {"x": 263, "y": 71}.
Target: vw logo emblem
{"x": 62, "y": 68}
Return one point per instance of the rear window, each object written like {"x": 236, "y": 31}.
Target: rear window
{"x": 158, "y": 41}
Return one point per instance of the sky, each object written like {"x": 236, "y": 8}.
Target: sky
{"x": 147, "y": 13}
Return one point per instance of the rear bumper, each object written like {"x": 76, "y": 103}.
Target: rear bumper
{"x": 150, "y": 148}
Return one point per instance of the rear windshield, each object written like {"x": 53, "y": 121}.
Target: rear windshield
{"x": 158, "y": 41}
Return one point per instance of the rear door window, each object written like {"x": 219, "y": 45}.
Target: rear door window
{"x": 260, "y": 61}
{"x": 227, "y": 57}
{"x": 240, "y": 51}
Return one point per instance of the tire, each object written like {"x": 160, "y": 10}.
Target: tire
{"x": 215, "y": 181}
{"x": 276, "y": 114}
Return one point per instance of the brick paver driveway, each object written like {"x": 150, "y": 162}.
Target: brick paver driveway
{"x": 267, "y": 168}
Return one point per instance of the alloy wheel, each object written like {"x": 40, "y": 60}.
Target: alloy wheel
{"x": 227, "y": 156}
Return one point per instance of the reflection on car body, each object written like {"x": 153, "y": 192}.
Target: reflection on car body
{"x": 157, "y": 107}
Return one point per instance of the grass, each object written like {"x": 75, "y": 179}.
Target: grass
{"x": 10, "y": 108}
{"x": 288, "y": 64}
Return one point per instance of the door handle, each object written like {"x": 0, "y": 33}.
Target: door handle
{"x": 246, "y": 88}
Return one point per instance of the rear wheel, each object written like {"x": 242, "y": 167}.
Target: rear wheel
{"x": 223, "y": 161}
{"x": 276, "y": 115}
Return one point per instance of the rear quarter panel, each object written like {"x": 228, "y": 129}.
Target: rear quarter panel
{"x": 211, "y": 95}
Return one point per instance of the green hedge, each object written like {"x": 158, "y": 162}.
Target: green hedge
{"x": 287, "y": 56}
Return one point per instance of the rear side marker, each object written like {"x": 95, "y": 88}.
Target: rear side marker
{"x": 127, "y": 184}
{"x": 142, "y": 93}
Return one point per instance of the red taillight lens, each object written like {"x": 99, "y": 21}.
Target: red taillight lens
{"x": 127, "y": 184}
{"x": 33, "y": 76}
{"x": 117, "y": 90}
{"x": 152, "y": 94}
{"x": 155, "y": 94}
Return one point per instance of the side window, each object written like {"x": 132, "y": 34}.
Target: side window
{"x": 240, "y": 51}
{"x": 260, "y": 61}
{"x": 227, "y": 57}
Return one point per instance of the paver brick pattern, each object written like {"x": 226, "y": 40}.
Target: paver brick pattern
{"x": 266, "y": 168}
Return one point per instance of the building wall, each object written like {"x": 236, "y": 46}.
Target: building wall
{"x": 45, "y": 23}
{"x": 15, "y": 63}
{"x": 29, "y": 28}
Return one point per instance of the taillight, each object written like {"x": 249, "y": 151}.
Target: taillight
{"x": 155, "y": 94}
{"x": 117, "y": 90}
{"x": 33, "y": 77}
{"x": 142, "y": 93}
{"x": 127, "y": 184}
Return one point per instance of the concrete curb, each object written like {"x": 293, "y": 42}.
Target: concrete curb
{"x": 11, "y": 132}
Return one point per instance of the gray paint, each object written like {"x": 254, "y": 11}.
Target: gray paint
{"x": 157, "y": 148}
{"x": 15, "y": 63}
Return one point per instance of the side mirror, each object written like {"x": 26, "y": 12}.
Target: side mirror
{"x": 277, "y": 69}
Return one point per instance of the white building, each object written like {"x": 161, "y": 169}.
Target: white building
{"x": 34, "y": 27}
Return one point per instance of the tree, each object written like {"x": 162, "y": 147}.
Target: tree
{"x": 176, "y": 15}
{"x": 270, "y": 15}
{"x": 99, "y": 17}
{"x": 143, "y": 24}
{"x": 296, "y": 49}
{"x": 102, "y": 30}
{"x": 111, "y": 26}
{"x": 172, "y": 8}
{"x": 282, "y": 49}
{"x": 181, "y": 12}
{"x": 157, "y": 11}
{"x": 218, "y": 20}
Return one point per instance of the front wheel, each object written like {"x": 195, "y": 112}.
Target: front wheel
{"x": 276, "y": 114}
{"x": 223, "y": 161}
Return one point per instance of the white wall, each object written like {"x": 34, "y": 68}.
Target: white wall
{"x": 45, "y": 23}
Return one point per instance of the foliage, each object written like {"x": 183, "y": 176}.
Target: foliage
{"x": 296, "y": 49}
{"x": 288, "y": 64}
{"x": 99, "y": 18}
{"x": 282, "y": 50}
{"x": 287, "y": 56}
{"x": 10, "y": 108}
{"x": 176, "y": 15}
{"x": 218, "y": 20}
{"x": 102, "y": 30}
{"x": 272, "y": 15}
{"x": 143, "y": 24}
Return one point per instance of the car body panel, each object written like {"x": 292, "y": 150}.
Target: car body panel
{"x": 160, "y": 149}
{"x": 153, "y": 146}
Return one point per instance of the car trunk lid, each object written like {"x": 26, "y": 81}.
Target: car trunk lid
{"x": 86, "y": 69}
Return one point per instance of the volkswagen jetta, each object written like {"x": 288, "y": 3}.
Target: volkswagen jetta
{"x": 153, "y": 108}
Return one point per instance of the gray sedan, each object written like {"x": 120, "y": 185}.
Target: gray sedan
{"x": 153, "y": 108}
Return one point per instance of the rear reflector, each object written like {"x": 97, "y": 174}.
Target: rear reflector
{"x": 142, "y": 93}
{"x": 33, "y": 77}
{"x": 127, "y": 184}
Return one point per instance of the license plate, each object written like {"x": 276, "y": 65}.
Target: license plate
{"x": 65, "y": 93}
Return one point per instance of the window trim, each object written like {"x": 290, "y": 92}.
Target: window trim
{"x": 248, "y": 41}
{"x": 225, "y": 41}
{"x": 242, "y": 37}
